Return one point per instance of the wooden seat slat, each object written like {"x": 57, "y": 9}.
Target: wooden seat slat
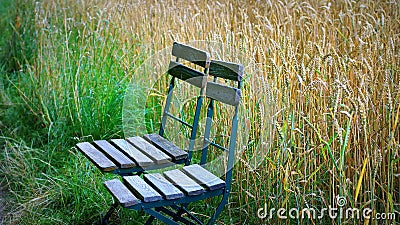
{"x": 114, "y": 154}
{"x": 96, "y": 156}
{"x": 121, "y": 193}
{"x": 141, "y": 159}
{"x": 148, "y": 149}
{"x": 142, "y": 189}
{"x": 185, "y": 183}
{"x": 203, "y": 177}
{"x": 169, "y": 148}
{"x": 162, "y": 185}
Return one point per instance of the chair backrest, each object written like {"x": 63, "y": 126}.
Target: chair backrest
{"x": 190, "y": 75}
{"x": 228, "y": 95}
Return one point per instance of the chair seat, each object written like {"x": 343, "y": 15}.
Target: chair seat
{"x": 191, "y": 183}
{"x": 134, "y": 154}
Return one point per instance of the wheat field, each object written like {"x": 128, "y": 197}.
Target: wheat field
{"x": 333, "y": 74}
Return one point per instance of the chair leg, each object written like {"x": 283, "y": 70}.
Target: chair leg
{"x": 150, "y": 220}
{"x": 161, "y": 217}
{"x": 183, "y": 209}
{"x": 178, "y": 214}
{"x": 219, "y": 209}
{"x": 105, "y": 219}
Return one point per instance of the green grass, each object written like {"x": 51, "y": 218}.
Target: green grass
{"x": 42, "y": 118}
{"x": 333, "y": 82}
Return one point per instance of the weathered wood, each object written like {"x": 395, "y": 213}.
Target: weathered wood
{"x": 187, "y": 74}
{"x": 97, "y": 157}
{"x": 185, "y": 183}
{"x": 203, "y": 177}
{"x": 141, "y": 159}
{"x": 223, "y": 93}
{"x": 142, "y": 189}
{"x": 199, "y": 82}
{"x": 191, "y": 54}
{"x": 121, "y": 193}
{"x": 163, "y": 186}
{"x": 170, "y": 149}
{"x": 114, "y": 154}
{"x": 148, "y": 149}
{"x": 226, "y": 70}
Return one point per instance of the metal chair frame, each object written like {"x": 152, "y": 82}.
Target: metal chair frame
{"x": 171, "y": 211}
{"x": 190, "y": 54}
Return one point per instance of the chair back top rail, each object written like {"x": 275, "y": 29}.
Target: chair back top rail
{"x": 191, "y": 54}
{"x": 226, "y": 70}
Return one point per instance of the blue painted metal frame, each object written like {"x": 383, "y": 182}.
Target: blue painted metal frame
{"x": 231, "y": 151}
{"x": 176, "y": 202}
{"x": 179, "y": 120}
{"x": 166, "y": 107}
{"x": 225, "y": 192}
{"x": 155, "y": 209}
{"x": 194, "y": 130}
{"x": 195, "y": 124}
{"x": 206, "y": 142}
{"x": 166, "y": 114}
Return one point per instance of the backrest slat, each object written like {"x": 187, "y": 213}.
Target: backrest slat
{"x": 226, "y": 70}
{"x": 187, "y": 74}
{"x": 186, "y": 68}
{"x": 191, "y": 54}
{"x": 223, "y": 93}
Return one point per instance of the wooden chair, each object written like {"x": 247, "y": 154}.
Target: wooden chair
{"x": 165, "y": 196}
{"x": 135, "y": 155}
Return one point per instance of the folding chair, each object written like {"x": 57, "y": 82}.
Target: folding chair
{"x": 165, "y": 196}
{"x": 134, "y": 155}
